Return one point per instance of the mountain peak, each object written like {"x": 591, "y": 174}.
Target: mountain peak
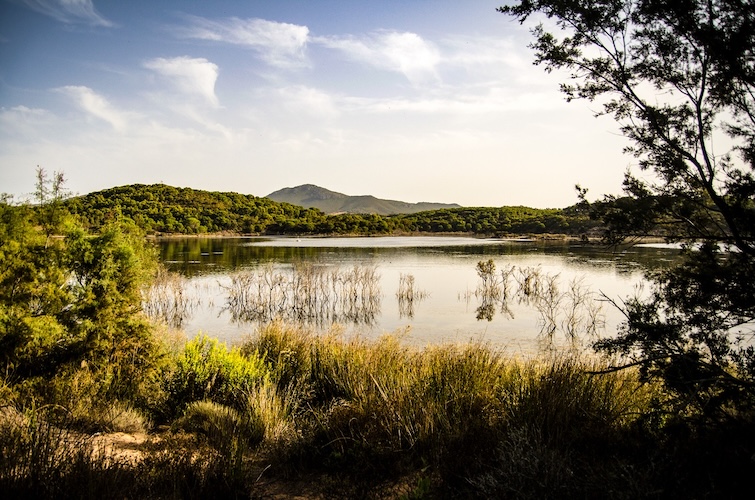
{"x": 305, "y": 193}
{"x": 311, "y": 196}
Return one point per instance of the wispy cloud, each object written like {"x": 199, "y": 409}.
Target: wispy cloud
{"x": 97, "y": 105}
{"x": 309, "y": 100}
{"x": 457, "y": 102}
{"x": 481, "y": 51}
{"x": 69, "y": 11}
{"x": 23, "y": 111}
{"x": 278, "y": 44}
{"x": 403, "y": 52}
{"x": 193, "y": 76}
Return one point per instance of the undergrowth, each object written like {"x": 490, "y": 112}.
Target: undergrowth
{"x": 371, "y": 418}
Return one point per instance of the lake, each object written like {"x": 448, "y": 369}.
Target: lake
{"x": 428, "y": 288}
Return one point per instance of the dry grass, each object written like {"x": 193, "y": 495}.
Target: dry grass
{"x": 308, "y": 292}
{"x": 573, "y": 309}
{"x": 360, "y": 418}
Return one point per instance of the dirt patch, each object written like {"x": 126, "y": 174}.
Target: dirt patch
{"x": 121, "y": 446}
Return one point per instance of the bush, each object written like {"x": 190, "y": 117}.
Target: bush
{"x": 226, "y": 429}
{"x": 207, "y": 370}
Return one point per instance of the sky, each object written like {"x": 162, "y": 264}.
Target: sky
{"x": 435, "y": 101}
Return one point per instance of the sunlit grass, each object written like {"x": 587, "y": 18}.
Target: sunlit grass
{"x": 464, "y": 419}
{"x": 358, "y": 400}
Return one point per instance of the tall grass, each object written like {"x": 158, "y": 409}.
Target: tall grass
{"x": 381, "y": 404}
{"x": 308, "y": 293}
{"x": 459, "y": 420}
{"x": 39, "y": 459}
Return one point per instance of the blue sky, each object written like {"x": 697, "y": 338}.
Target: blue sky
{"x": 406, "y": 100}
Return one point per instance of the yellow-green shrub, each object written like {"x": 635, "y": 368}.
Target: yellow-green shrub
{"x": 207, "y": 370}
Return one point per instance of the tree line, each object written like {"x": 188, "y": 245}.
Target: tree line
{"x": 162, "y": 209}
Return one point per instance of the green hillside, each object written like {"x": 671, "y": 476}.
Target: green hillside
{"x": 161, "y": 209}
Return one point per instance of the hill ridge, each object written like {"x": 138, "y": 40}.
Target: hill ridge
{"x": 331, "y": 202}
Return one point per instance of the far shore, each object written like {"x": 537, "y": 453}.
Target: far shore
{"x": 565, "y": 238}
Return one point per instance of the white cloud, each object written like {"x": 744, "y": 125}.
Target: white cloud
{"x": 278, "y": 44}
{"x": 69, "y": 11}
{"x": 494, "y": 100}
{"x": 22, "y": 112}
{"x": 97, "y": 105}
{"x": 193, "y": 76}
{"x": 475, "y": 52}
{"x": 307, "y": 99}
{"x": 406, "y": 53}
{"x": 20, "y": 123}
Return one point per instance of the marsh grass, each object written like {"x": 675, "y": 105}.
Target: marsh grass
{"x": 383, "y": 406}
{"x": 43, "y": 460}
{"x": 168, "y": 300}
{"x": 407, "y": 295}
{"x": 40, "y": 459}
{"x": 459, "y": 420}
{"x": 230, "y": 431}
{"x": 574, "y": 309}
{"x": 308, "y": 292}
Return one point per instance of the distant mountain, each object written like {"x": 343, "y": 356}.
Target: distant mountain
{"x": 330, "y": 202}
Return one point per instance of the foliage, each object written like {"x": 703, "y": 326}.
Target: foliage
{"x": 351, "y": 418}
{"x": 503, "y": 220}
{"x": 679, "y": 78}
{"x": 71, "y": 328}
{"x": 40, "y": 460}
{"x": 378, "y": 407}
{"x": 226, "y": 429}
{"x": 165, "y": 209}
{"x": 207, "y": 370}
{"x": 159, "y": 208}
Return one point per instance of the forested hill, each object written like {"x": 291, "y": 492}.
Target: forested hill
{"x": 167, "y": 209}
{"x": 311, "y": 196}
{"x": 161, "y": 209}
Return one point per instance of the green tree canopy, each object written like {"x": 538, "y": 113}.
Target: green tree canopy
{"x": 679, "y": 78}
{"x": 72, "y": 300}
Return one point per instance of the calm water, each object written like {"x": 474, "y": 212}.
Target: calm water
{"x": 448, "y": 304}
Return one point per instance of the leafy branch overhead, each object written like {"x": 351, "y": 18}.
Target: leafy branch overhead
{"x": 679, "y": 78}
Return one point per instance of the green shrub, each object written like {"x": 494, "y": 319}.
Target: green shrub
{"x": 207, "y": 370}
{"x": 285, "y": 350}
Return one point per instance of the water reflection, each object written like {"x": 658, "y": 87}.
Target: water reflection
{"x": 537, "y": 290}
{"x": 408, "y": 295}
{"x": 170, "y": 300}
{"x": 308, "y": 292}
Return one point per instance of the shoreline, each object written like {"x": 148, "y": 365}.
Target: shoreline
{"x": 524, "y": 238}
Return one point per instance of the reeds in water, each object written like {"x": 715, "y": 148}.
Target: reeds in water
{"x": 407, "y": 294}
{"x": 575, "y": 310}
{"x": 308, "y": 292}
{"x": 167, "y": 299}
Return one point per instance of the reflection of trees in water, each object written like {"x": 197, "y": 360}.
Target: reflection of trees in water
{"x": 308, "y": 292}
{"x": 407, "y": 295}
{"x": 574, "y": 310}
